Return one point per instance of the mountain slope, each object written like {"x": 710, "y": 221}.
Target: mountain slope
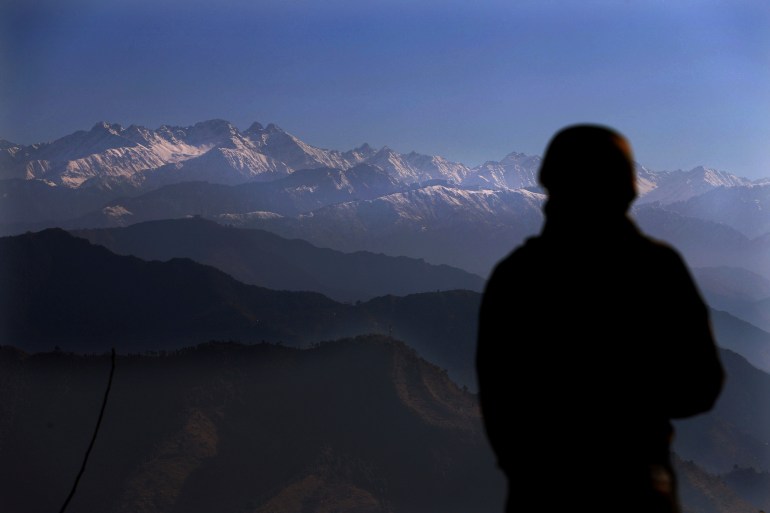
{"x": 299, "y": 192}
{"x": 745, "y": 208}
{"x": 354, "y": 425}
{"x": 62, "y": 290}
{"x": 701, "y": 492}
{"x": 213, "y": 151}
{"x": 705, "y": 243}
{"x": 674, "y": 186}
{"x": 740, "y": 292}
{"x": 25, "y": 204}
{"x": 261, "y": 258}
{"x": 59, "y": 290}
{"x": 737, "y": 430}
{"x": 469, "y": 229}
{"x": 351, "y": 426}
{"x": 742, "y": 337}
{"x": 515, "y": 171}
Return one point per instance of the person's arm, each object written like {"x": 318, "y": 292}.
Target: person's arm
{"x": 490, "y": 373}
{"x": 694, "y": 370}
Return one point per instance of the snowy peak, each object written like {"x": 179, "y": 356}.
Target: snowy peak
{"x": 646, "y": 180}
{"x": 392, "y": 163}
{"x": 439, "y": 207}
{"x": 105, "y": 127}
{"x": 514, "y": 171}
{"x": 434, "y": 167}
{"x": 282, "y": 146}
{"x": 139, "y": 135}
{"x": 360, "y": 154}
{"x": 110, "y": 152}
{"x": 216, "y": 151}
{"x": 255, "y": 127}
{"x": 211, "y": 133}
{"x": 365, "y": 149}
{"x": 521, "y": 159}
{"x": 716, "y": 178}
{"x": 415, "y": 168}
{"x": 674, "y": 186}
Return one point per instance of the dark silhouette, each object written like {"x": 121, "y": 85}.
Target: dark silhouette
{"x": 591, "y": 338}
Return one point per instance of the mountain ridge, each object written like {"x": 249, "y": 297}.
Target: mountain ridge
{"x": 61, "y": 290}
{"x": 263, "y": 258}
{"x": 217, "y": 151}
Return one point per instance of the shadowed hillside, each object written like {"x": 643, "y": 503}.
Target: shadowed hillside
{"x": 261, "y": 258}
{"x": 701, "y": 492}
{"x": 737, "y": 430}
{"x": 60, "y": 290}
{"x": 350, "y": 426}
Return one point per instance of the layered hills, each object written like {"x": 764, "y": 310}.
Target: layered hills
{"x": 61, "y": 290}
{"x": 258, "y": 257}
{"x": 313, "y": 244}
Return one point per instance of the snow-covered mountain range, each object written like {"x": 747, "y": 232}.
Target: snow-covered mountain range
{"x": 366, "y": 198}
{"x": 215, "y": 151}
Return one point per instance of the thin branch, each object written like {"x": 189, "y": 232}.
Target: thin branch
{"x": 93, "y": 438}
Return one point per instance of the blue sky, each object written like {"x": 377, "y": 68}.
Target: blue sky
{"x": 687, "y": 81}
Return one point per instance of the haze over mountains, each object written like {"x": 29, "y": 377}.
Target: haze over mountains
{"x": 212, "y": 233}
{"x": 361, "y": 199}
{"x": 262, "y": 258}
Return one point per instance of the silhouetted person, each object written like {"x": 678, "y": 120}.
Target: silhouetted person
{"x": 592, "y": 337}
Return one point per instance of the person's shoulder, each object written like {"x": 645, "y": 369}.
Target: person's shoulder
{"x": 659, "y": 250}
{"x": 528, "y": 249}
{"x": 519, "y": 257}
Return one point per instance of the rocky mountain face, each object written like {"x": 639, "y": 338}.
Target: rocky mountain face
{"x": 218, "y": 152}
{"x": 671, "y": 187}
{"x": 213, "y": 151}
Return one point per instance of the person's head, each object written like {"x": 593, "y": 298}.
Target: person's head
{"x": 589, "y": 167}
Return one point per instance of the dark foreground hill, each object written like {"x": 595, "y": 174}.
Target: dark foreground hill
{"x": 262, "y": 258}
{"x": 351, "y": 426}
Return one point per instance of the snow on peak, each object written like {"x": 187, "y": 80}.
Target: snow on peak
{"x": 265, "y": 152}
{"x": 674, "y": 186}
{"x": 717, "y": 178}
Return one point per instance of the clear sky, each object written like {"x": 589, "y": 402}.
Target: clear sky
{"x": 687, "y": 81}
